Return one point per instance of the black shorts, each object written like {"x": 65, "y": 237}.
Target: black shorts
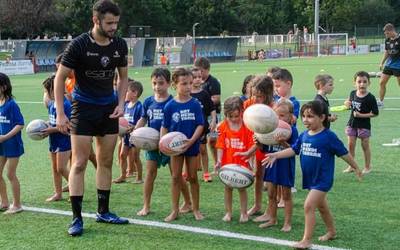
{"x": 391, "y": 71}
{"x": 92, "y": 119}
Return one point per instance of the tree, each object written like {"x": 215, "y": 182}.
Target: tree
{"x": 25, "y": 18}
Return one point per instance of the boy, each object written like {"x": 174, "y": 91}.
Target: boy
{"x": 283, "y": 83}
{"x": 130, "y": 155}
{"x": 213, "y": 88}
{"x": 324, "y": 86}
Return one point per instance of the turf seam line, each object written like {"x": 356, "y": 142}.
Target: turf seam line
{"x": 185, "y": 228}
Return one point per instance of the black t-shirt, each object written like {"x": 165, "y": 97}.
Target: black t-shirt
{"x": 213, "y": 87}
{"x": 363, "y": 105}
{"x": 94, "y": 67}
{"x": 324, "y": 101}
{"x": 392, "y": 46}
{"x": 206, "y": 104}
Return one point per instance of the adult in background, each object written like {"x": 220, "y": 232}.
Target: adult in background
{"x": 93, "y": 56}
{"x": 390, "y": 64}
{"x": 212, "y": 86}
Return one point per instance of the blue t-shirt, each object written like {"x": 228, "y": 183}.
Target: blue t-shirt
{"x": 59, "y": 142}
{"x": 295, "y": 102}
{"x": 153, "y": 111}
{"x": 317, "y": 158}
{"x": 185, "y": 118}
{"x": 10, "y": 116}
{"x": 283, "y": 171}
{"x": 132, "y": 115}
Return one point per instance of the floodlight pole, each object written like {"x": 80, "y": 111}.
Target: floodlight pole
{"x": 194, "y": 41}
{"x": 316, "y": 24}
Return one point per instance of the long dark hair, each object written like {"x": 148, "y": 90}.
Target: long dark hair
{"x": 317, "y": 109}
{"x": 5, "y": 86}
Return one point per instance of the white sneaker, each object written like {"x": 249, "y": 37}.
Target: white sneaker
{"x": 380, "y": 104}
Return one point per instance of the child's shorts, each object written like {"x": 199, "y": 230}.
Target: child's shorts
{"x": 127, "y": 142}
{"x": 361, "y": 133}
{"x": 158, "y": 157}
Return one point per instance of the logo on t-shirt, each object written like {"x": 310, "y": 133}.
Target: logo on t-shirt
{"x": 116, "y": 54}
{"x": 176, "y": 117}
{"x": 105, "y": 61}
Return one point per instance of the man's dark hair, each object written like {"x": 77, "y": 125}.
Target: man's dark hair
{"x": 101, "y": 7}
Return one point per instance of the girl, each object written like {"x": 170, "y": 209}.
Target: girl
{"x": 262, "y": 92}
{"x": 60, "y": 144}
{"x": 317, "y": 147}
{"x": 233, "y": 138}
{"x": 281, "y": 174}
{"x": 363, "y": 106}
{"x": 153, "y": 114}
{"x": 129, "y": 154}
{"x": 184, "y": 114}
{"x": 246, "y": 88}
{"x": 11, "y": 146}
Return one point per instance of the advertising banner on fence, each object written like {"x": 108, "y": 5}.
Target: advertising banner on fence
{"x": 18, "y": 67}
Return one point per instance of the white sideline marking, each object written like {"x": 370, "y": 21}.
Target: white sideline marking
{"x": 207, "y": 231}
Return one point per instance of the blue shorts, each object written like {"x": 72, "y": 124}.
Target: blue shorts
{"x": 282, "y": 172}
{"x": 11, "y": 150}
{"x": 158, "y": 157}
{"x": 59, "y": 143}
{"x": 194, "y": 150}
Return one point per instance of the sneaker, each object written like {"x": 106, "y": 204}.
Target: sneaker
{"x": 76, "y": 227}
{"x": 207, "y": 177}
{"x": 110, "y": 218}
{"x": 380, "y": 104}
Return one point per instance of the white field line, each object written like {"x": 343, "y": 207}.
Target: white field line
{"x": 190, "y": 229}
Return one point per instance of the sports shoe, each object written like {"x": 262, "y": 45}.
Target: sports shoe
{"x": 207, "y": 177}
{"x": 76, "y": 227}
{"x": 110, "y": 218}
{"x": 380, "y": 104}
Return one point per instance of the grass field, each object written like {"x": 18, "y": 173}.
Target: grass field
{"x": 366, "y": 214}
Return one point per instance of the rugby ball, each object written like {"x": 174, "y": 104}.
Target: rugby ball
{"x": 34, "y": 128}
{"x": 260, "y": 118}
{"x": 145, "y": 138}
{"x": 236, "y": 176}
{"x": 172, "y": 143}
{"x": 123, "y": 126}
{"x": 283, "y": 129}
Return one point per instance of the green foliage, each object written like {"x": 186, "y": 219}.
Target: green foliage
{"x": 27, "y": 17}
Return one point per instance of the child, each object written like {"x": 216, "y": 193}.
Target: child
{"x": 213, "y": 88}
{"x": 183, "y": 113}
{"x": 130, "y": 155}
{"x": 11, "y": 146}
{"x": 233, "y": 138}
{"x": 317, "y": 147}
{"x": 363, "y": 106}
{"x": 324, "y": 86}
{"x": 60, "y": 144}
{"x": 208, "y": 109}
{"x": 246, "y": 88}
{"x": 282, "y": 173}
{"x": 283, "y": 83}
{"x": 262, "y": 92}
{"x": 153, "y": 114}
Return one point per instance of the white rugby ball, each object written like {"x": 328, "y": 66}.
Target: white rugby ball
{"x": 172, "y": 143}
{"x": 34, "y": 127}
{"x": 236, "y": 176}
{"x": 260, "y": 118}
{"x": 145, "y": 138}
{"x": 283, "y": 129}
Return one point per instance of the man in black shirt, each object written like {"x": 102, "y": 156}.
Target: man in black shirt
{"x": 390, "y": 64}
{"x": 93, "y": 56}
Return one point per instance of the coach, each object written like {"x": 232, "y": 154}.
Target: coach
{"x": 93, "y": 56}
{"x": 392, "y": 59}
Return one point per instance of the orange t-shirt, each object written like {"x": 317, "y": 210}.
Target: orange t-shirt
{"x": 231, "y": 141}
{"x": 70, "y": 83}
{"x": 249, "y": 102}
